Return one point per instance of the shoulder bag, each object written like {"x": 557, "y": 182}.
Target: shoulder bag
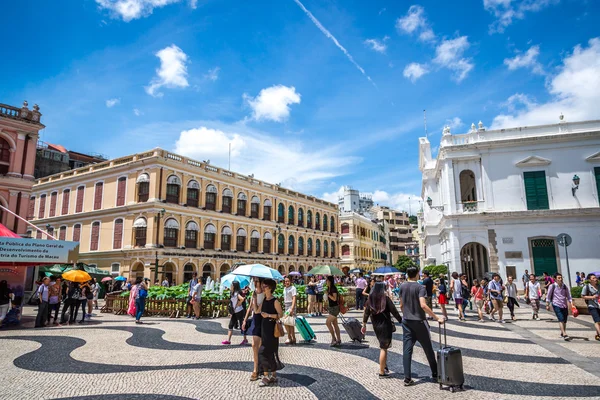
{"x": 279, "y": 331}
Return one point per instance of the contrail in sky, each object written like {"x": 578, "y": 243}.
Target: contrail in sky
{"x": 335, "y": 41}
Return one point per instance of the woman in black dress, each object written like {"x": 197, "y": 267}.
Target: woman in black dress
{"x": 379, "y": 307}
{"x": 334, "y": 310}
{"x": 271, "y": 311}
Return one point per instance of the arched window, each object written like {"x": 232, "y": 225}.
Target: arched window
{"x": 254, "y": 241}
{"x": 280, "y": 244}
{"x": 242, "y": 199}
{"x": 291, "y": 215}
{"x": 173, "y": 189}
{"x": 309, "y": 247}
{"x": 227, "y": 201}
{"x": 76, "y": 233}
{"x": 325, "y": 249}
{"x": 300, "y": 246}
{"x": 143, "y": 187}
{"x": 240, "y": 240}
{"x": 267, "y": 210}
{"x": 300, "y": 217}
{"x": 226, "y": 238}
{"x": 291, "y": 244}
{"x": 4, "y": 156}
{"x": 118, "y": 234}
{"x": 318, "y": 247}
{"x": 140, "y": 226}
{"x": 191, "y": 235}
{"x": 281, "y": 268}
{"x": 207, "y": 271}
{"x": 171, "y": 232}
{"x": 193, "y": 193}
{"x": 325, "y": 220}
{"x": 53, "y": 197}
{"x": 267, "y": 238}
{"x": 95, "y": 236}
{"x": 345, "y": 228}
{"x": 188, "y": 272}
{"x": 62, "y": 233}
{"x": 309, "y": 218}
{"x": 121, "y": 189}
{"x": 332, "y": 249}
{"x": 65, "y": 201}
{"x": 332, "y": 224}
{"x": 98, "y": 189}
{"x": 31, "y": 209}
{"x": 254, "y": 206}
{"x": 318, "y": 221}
{"x": 211, "y": 198}
{"x": 281, "y": 213}
{"x": 210, "y": 233}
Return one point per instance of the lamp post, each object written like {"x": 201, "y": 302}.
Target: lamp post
{"x": 157, "y": 217}
{"x": 565, "y": 241}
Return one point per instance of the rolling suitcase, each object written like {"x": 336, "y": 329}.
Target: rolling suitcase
{"x": 305, "y": 329}
{"x": 353, "y": 328}
{"x": 449, "y": 364}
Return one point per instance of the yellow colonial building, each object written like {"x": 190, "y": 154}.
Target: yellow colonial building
{"x": 363, "y": 242}
{"x": 190, "y": 216}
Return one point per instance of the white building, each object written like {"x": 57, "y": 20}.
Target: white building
{"x": 354, "y": 201}
{"x": 495, "y": 201}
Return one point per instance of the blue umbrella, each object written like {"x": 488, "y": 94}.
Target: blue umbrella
{"x": 228, "y": 279}
{"x": 258, "y": 271}
{"x": 386, "y": 270}
{"x": 120, "y": 278}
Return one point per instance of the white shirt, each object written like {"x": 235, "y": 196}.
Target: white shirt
{"x": 234, "y": 303}
{"x": 288, "y": 294}
{"x": 198, "y": 290}
{"x": 533, "y": 290}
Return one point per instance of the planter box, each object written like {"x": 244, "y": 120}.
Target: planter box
{"x": 581, "y": 306}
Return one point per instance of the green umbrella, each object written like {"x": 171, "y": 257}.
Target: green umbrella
{"x": 327, "y": 270}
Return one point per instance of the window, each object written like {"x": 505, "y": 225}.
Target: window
{"x": 536, "y": 190}
{"x": 193, "y": 194}
{"x": 254, "y": 207}
{"x": 31, "y": 209}
{"x": 115, "y": 268}
{"x": 226, "y": 238}
{"x": 65, "y": 201}
{"x": 173, "y": 187}
{"x": 345, "y": 228}
{"x": 227, "y": 201}
{"x": 300, "y": 217}
{"x": 318, "y": 247}
{"x": 42, "y": 209}
{"x": 76, "y": 232}
{"x": 325, "y": 249}
{"x": 143, "y": 183}
{"x": 325, "y": 223}
{"x": 211, "y": 197}
{"x": 332, "y": 249}
{"x": 254, "y": 240}
{"x": 318, "y": 221}
{"x": 210, "y": 232}
{"x": 191, "y": 235}
{"x": 291, "y": 244}
{"x": 118, "y": 234}
{"x": 38, "y": 235}
{"x": 98, "y": 195}
{"x": 309, "y": 246}
{"x": 597, "y": 175}
{"x": 280, "y": 213}
{"x": 79, "y": 199}
{"x": 140, "y": 226}
{"x": 280, "y": 244}
{"x": 345, "y": 250}
{"x": 95, "y": 237}
{"x": 241, "y": 204}
{"x": 267, "y": 210}
{"x": 291, "y": 215}
{"x": 62, "y": 233}
{"x": 332, "y": 225}
{"x": 4, "y": 156}
{"x": 240, "y": 240}
{"x": 301, "y": 246}
{"x": 121, "y": 188}
{"x": 171, "y": 232}
{"x": 267, "y": 242}
{"x": 53, "y": 197}
{"x": 309, "y": 219}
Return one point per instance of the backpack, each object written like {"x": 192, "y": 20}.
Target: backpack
{"x": 442, "y": 288}
{"x": 464, "y": 291}
{"x": 342, "y": 304}
{"x": 75, "y": 294}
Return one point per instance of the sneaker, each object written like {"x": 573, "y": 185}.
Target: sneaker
{"x": 385, "y": 375}
{"x": 244, "y": 342}
{"x": 480, "y": 320}
{"x": 409, "y": 382}
{"x": 225, "y": 342}
{"x": 566, "y": 338}
{"x": 501, "y": 321}
{"x": 265, "y": 381}
{"x": 189, "y": 316}
{"x": 537, "y": 318}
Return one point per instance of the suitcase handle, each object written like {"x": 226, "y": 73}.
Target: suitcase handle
{"x": 440, "y": 327}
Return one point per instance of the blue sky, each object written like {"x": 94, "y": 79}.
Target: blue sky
{"x": 312, "y": 94}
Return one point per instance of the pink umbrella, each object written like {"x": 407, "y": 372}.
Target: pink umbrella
{"x": 106, "y": 279}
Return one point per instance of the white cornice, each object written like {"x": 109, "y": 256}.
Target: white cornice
{"x": 533, "y": 161}
{"x": 594, "y": 158}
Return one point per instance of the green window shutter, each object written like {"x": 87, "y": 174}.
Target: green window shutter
{"x": 597, "y": 173}
{"x": 536, "y": 190}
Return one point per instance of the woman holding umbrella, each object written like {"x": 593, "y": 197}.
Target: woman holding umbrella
{"x": 236, "y": 310}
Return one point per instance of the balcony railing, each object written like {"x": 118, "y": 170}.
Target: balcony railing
{"x": 469, "y": 207}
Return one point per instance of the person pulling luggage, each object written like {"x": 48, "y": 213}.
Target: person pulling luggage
{"x": 414, "y": 326}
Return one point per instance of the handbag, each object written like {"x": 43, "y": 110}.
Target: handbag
{"x": 342, "y": 304}
{"x": 505, "y": 300}
{"x": 575, "y": 311}
{"x": 289, "y": 320}
{"x": 279, "y": 331}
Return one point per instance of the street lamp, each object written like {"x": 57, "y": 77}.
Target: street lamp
{"x": 575, "y": 184}
{"x": 429, "y": 201}
{"x": 157, "y": 218}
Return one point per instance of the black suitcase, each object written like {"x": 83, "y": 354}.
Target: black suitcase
{"x": 449, "y": 365}
{"x": 353, "y": 328}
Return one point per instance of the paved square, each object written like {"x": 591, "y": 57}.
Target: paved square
{"x": 112, "y": 358}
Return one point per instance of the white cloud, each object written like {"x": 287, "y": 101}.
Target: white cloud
{"x": 398, "y": 201}
{"x": 172, "y": 72}
{"x": 212, "y": 74}
{"x": 133, "y": 9}
{"x": 193, "y": 4}
{"x": 333, "y": 197}
{"x": 415, "y": 22}
{"x": 574, "y": 90}
{"x": 454, "y": 123}
{"x": 137, "y": 112}
{"x": 289, "y": 162}
{"x": 334, "y": 40}
{"x": 449, "y": 54}
{"x": 526, "y": 60}
{"x": 273, "y": 103}
{"x": 112, "y": 102}
{"x": 377, "y": 45}
{"x": 506, "y": 11}
{"x": 414, "y": 71}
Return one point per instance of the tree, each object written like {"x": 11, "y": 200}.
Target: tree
{"x": 413, "y": 220}
{"x": 436, "y": 270}
{"x": 404, "y": 262}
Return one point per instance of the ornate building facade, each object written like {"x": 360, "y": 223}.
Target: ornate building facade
{"x": 19, "y": 129}
{"x": 129, "y": 212}
{"x": 400, "y": 229}
{"x": 363, "y": 242}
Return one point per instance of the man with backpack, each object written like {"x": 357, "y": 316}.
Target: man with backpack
{"x": 495, "y": 289}
{"x": 590, "y": 295}
{"x": 559, "y": 296}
